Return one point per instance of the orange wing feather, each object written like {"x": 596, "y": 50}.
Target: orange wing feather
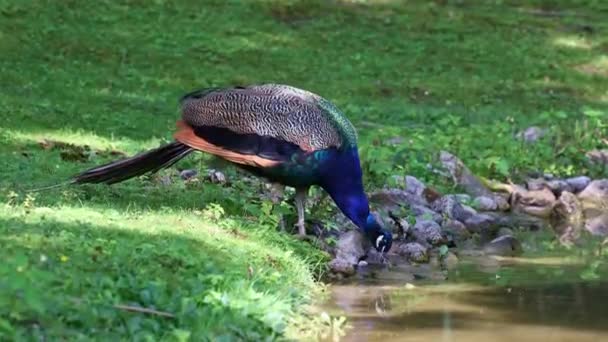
{"x": 186, "y": 136}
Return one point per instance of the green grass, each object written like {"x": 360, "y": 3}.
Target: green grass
{"x": 458, "y": 75}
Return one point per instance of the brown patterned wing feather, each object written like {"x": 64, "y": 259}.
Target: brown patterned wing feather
{"x": 277, "y": 111}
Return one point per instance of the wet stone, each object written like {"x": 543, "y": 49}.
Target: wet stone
{"x": 414, "y": 252}
{"x": 598, "y": 225}
{"x": 506, "y": 245}
{"x": 427, "y": 231}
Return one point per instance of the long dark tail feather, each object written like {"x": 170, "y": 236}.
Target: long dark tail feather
{"x": 147, "y": 162}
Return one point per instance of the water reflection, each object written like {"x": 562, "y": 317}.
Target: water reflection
{"x": 474, "y": 305}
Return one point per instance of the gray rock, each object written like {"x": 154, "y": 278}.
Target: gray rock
{"x": 461, "y": 175}
{"x": 449, "y": 207}
{"x": 578, "y": 184}
{"x": 505, "y": 245}
{"x": 188, "y": 174}
{"x": 485, "y": 203}
{"x": 456, "y": 229}
{"x": 342, "y": 267}
{"x": 395, "y": 198}
{"x": 427, "y": 231}
{"x": 414, "y": 252}
{"x": 480, "y": 222}
{"x": 350, "y": 247}
{"x": 414, "y": 186}
{"x": 424, "y": 213}
{"x": 598, "y": 225}
{"x": 535, "y": 184}
{"x": 531, "y": 134}
{"x": 558, "y": 186}
{"x": 216, "y": 177}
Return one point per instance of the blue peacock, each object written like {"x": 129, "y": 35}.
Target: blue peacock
{"x": 281, "y": 133}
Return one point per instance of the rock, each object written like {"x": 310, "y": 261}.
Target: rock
{"x": 395, "y": 198}
{"x": 479, "y": 223}
{"x": 535, "y": 202}
{"x": 461, "y": 175}
{"x": 456, "y": 229}
{"x": 531, "y": 134}
{"x": 558, "y": 186}
{"x": 427, "y": 231}
{"x": 598, "y": 156}
{"x": 505, "y": 245}
{"x": 535, "y": 184}
{"x": 414, "y": 252}
{"x": 342, "y": 267}
{"x": 424, "y": 213}
{"x": 414, "y": 186}
{"x": 188, "y": 174}
{"x": 350, "y": 247}
{"x": 567, "y": 218}
{"x": 216, "y": 177}
{"x": 449, "y": 261}
{"x": 578, "y": 184}
{"x": 485, "y": 203}
{"x": 598, "y": 225}
{"x": 449, "y": 206}
{"x": 504, "y": 231}
{"x": 594, "y": 198}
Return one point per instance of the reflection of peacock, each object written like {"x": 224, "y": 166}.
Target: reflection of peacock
{"x": 287, "y": 135}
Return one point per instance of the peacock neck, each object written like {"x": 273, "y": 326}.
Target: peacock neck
{"x": 342, "y": 180}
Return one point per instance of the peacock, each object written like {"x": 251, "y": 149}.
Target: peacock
{"x": 281, "y": 133}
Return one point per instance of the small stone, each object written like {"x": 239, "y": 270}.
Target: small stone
{"x": 462, "y": 198}
{"x": 450, "y": 207}
{"x": 578, "y": 184}
{"x": 363, "y": 263}
{"x": 216, "y": 177}
{"x": 536, "y": 202}
{"x": 504, "y": 231}
{"x": 598, "y": 225}
{"x": 425, "y": 213}
{"x": 414, "y": 252}
{"x": 414, "y": 186}
{"x": 350, "y": 247}
{"x": 484, "y": 203}
{"x": 165, "y": 180}
{"x": 342, "y": 267}
{"x": 505, "y": 245}
{"x": 427, "y": 231}
{"x": 188, "y": 174}
{"x": 531, "y": 134}
{"x": 479, "y": 222}
{"x": 536, "y": 184}
{"x": 456, "y": 229}
{"x": 558, "y": 186}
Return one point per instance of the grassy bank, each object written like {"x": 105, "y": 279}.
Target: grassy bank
{"x": 462, "y": 76}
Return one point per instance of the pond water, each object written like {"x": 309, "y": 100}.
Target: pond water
{"x": 483, "y": 299}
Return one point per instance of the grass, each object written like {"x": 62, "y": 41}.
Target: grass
{"x": 462, "y": 76}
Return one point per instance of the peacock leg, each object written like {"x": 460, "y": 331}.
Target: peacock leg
{"x": 300, "y": 199}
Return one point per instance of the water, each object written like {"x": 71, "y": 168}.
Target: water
{"x": 482, "y": 300}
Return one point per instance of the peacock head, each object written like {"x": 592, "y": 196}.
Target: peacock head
{"x": 380, "y": 238}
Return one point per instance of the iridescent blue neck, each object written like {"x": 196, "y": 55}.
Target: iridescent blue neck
{"x": 342, "y": 179}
